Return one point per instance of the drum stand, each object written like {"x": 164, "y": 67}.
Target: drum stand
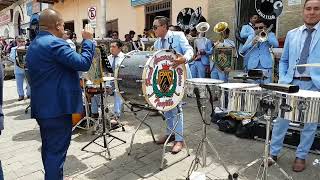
{"x": 173, "y": 131}
{"x": 105, "y": 133}
{"x": 203, "y": 145}
{"x": 268, "y": 106}
{"x": 86, "y": 107}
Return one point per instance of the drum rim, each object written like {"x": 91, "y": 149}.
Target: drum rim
{"x": 189, "y": 81}
{"x": 144, "y": 75}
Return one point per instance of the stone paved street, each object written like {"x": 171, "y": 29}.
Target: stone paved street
{"x": 20, "y": 150}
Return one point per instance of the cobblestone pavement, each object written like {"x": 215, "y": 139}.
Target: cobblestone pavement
{"x": 20, "y": 150}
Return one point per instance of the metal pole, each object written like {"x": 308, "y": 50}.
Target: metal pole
{"x": 102, "y": 18}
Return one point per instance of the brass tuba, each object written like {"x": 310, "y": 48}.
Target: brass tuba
{"x": 221, "y": 60}
{"x": 220, "y": 28}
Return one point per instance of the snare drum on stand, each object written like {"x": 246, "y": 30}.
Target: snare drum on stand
{"x": 201, "y": 84}
{"x": 240, "y": 96}
{"x": 300, "y": 107}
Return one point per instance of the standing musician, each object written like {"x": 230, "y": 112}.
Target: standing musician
{"x": 200, "y": 63}
{"x": 301, "y": 47}
{"x": 216, "y": 72}
{"x": 19, "y": 72}
{"x": 246, "y": 31}
{"x": 56, "y": 94}
{"x": 181, "y": 45}
{"x": 257, "y": 49}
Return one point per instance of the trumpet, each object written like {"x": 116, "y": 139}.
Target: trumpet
{"x": 261, "y": 37}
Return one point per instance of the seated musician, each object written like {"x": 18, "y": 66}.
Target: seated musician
{"x": 300, "y": 47}
{"x": 257, "y": 51}
{"x": 115, "y": 59}
{"x": 218, "y": 72}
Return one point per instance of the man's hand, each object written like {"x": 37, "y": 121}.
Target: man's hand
{"x": 87, "y": 33}
{"x": 180, "y": 60}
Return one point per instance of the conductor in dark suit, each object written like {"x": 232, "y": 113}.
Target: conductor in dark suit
{"x": 56, "y": 92}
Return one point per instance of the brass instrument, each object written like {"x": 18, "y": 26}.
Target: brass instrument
{"x": 202, "y": 28}
{"x": 21, "y": 57}
{"x": 220, "y": 28}
{"x": 223, "y": 56}
{"x": 261, "y": 37}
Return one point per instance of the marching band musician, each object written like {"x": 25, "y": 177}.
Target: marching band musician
{"x": 181, "y": 45}
{"x": 257, "y": 51}
{"x": 56, "y": 94}
{"x": 246, "y": 31}
{"x": 301, "y": 47}
{"x": 200, "y": 63}
{"x": 216, "y": 72}
{"x": 19, "y": 72}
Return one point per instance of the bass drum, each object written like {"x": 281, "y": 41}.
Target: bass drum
{"x": 146, "y": 78}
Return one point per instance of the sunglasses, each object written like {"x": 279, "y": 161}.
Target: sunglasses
{"x": 155, "y": 27}
{"x": 260, "y": 27}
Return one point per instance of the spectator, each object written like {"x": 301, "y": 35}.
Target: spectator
{"x": 67, "y": 36}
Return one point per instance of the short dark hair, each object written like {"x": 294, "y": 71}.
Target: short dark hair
{"x": 69, "y": 33}
{"x": 253, "y": 14}
{"x": 163, "y": 20}
{"x": 261, "y": 21}
{"x": 117, "y": 42}
{"x": 305, "y": 3}
{"x": 132, "y": 32}
{"x": 115, "y": 32}
{"x": 177, "y": 28}
{"x": 227, "y": 31}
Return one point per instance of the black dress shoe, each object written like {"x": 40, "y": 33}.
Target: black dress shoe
{"x": 20, "y": 98}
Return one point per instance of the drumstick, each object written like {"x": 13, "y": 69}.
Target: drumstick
{"x": 309, "y": 65}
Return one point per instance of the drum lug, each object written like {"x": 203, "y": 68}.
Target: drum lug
{"x": 119, "y": 79}
{"x": 122, "y": 66}
{"x": 141, "y": 66}
{"x": 121, "y": 92}
{"x": 140, "y": 81}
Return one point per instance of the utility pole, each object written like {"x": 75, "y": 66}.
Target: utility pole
{"x": 102, "y": 18}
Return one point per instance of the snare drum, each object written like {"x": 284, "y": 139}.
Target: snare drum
{"x": 240, "y": 96}
{"x": 201, "y": 84}
{"x": 147, "y": 78}
{"x": 303, "y": 106}
{"x": 95, "y": 89}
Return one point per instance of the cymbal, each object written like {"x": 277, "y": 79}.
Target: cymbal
{"x": 309, "y": 65}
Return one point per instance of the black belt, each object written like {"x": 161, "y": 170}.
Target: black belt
{"x": 302, "y": 78}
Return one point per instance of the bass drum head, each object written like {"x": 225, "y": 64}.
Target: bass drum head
{"x": 163, "y": 86}
{"x": 128, "y": 77}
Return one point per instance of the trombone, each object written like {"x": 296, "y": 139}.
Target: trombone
{"x": 261, "y": 37}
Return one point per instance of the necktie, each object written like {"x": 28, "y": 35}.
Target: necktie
{"x": 163, "y": 41}
{"x": 305, "y": 51}
{"x": 114, "y": 63}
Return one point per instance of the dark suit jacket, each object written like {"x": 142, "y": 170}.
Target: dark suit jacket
{"x": 54, "y": 81}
